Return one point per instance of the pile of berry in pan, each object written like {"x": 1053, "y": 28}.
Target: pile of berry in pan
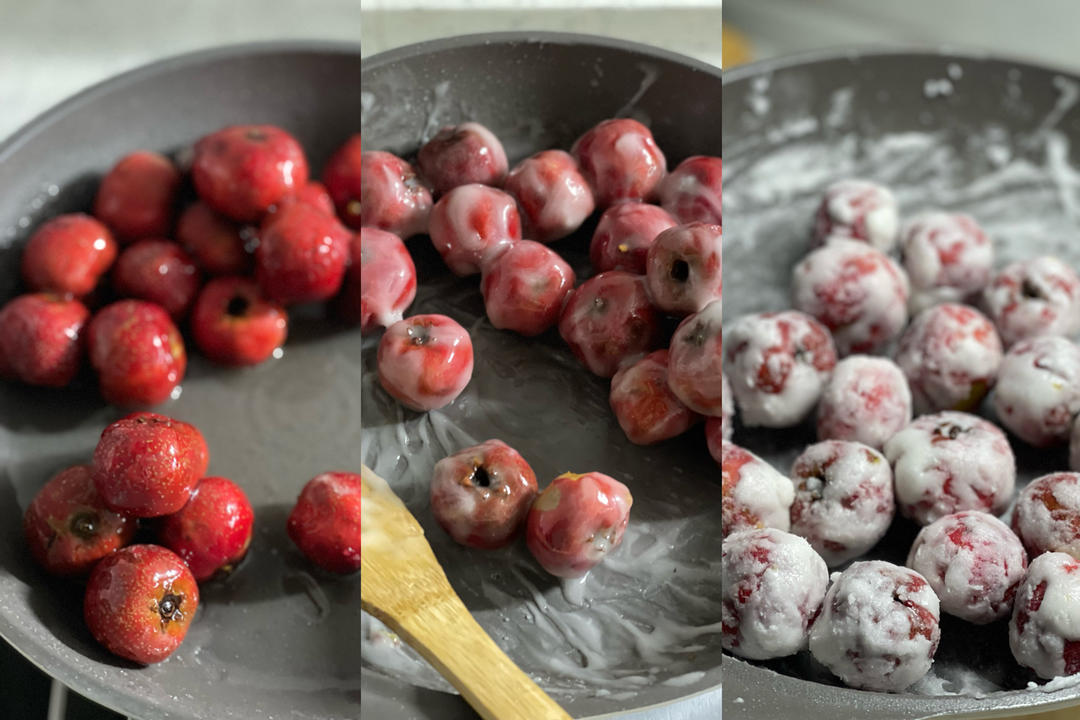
{"x": 655, "y": 255}
{"x": 898, "y": 333}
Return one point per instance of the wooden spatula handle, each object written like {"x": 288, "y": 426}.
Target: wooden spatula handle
{"x": 471, "y": 661}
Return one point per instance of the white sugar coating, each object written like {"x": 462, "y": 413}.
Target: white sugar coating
{"x": 866, "y": 400}
{"x": 727, "y": 416}
{"x": 1034, "y": 297}
{"x": 861, "y": 209}
{"x": 1038, "y": 390}
{"x": 951, "y": 461}
{"x": 1046, "y": 617}
{"x": 567, "y": 198}
{"x": 878, "y": 628}
{"x": 1043, "y": 529}
{"x": 946, "y": 251}
{"x": 974, "y": 563}
{"x": 695, "y": 366}
{"x": 411, "y": 377}
{"x": 464, "y": 242}
{"x": 920, "y": 300}
{"x": 1074, "y": 446}
{"x": 685, "y": 195}
{"x": 778, "y": 365}
{"x": 843, "y": 499}
{"x": 856, "y": 291}
{"x": 950, "y": 355}
{"x": 773, "y": 584}
{"x": 754, "y": 493}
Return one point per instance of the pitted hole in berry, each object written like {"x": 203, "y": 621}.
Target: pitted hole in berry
{"x": 680, "y": 271}
{"x": 1030, "y": 290}
{"x": 255, "y": 134}
{"x": 480, "y": 477}
{"x": 169, "y": 608}
{"x": 602, "y": 540}
{"x": 814, "y": 482}
{"x": 419, "y": 334}
{"x": 238, "y": 306}
{"x": 949, "y": 431}
{"x": 699, "y": 335}
{"x": 85, "y": 524}
{"x": 599, "y": 304}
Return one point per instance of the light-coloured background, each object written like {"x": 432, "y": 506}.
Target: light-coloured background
{"x": 1045, "y": 30}
{"x": 51, "y": 48}
{"x": 690, "y": 27}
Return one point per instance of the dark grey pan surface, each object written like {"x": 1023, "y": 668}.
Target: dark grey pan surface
{"x": 644, "y": 628}
{"x": 278, "y": 639}
{"x": 996, "y": 138}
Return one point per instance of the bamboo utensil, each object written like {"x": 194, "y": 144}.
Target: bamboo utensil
{"x": 403, "y": 585}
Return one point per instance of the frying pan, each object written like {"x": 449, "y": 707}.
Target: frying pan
{"x": 994, "y": 137}
{"x": 277, "y": 639}
{"x": 643, "y": 629}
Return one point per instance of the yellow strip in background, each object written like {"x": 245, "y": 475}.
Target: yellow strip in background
{"x": 736, "y": 50}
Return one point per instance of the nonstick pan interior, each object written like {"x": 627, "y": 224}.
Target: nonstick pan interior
{"x": 995, "y": 138}
{"x": 644, "y": 627}
{"x": 278, "y": 639}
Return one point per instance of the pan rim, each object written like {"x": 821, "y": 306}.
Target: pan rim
{"x": 855, "y": 53}
{"x": 169, "y": 63}
{"x": 538, "y": 37}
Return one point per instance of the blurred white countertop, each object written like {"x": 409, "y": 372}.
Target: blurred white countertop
{"x": 49, "y": 49}
{"x": 690, "y": 27}
{"x": 1039, "y": 30}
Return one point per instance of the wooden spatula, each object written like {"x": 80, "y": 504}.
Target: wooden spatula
{"x": 403, "y": 585}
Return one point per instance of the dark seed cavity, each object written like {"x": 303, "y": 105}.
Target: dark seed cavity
{"x": 949, "y": 430}
{"x": 169, "y": 607}
{"x": 238, "y": 306}
{"x": 1030, "y": 290}
{"x": 680, "y": 271}
{"x": 419, "y": 334}
{"x": 699, "y": 335}
{"x": 480, "y": 477}
{"x": 85, "y": 524}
